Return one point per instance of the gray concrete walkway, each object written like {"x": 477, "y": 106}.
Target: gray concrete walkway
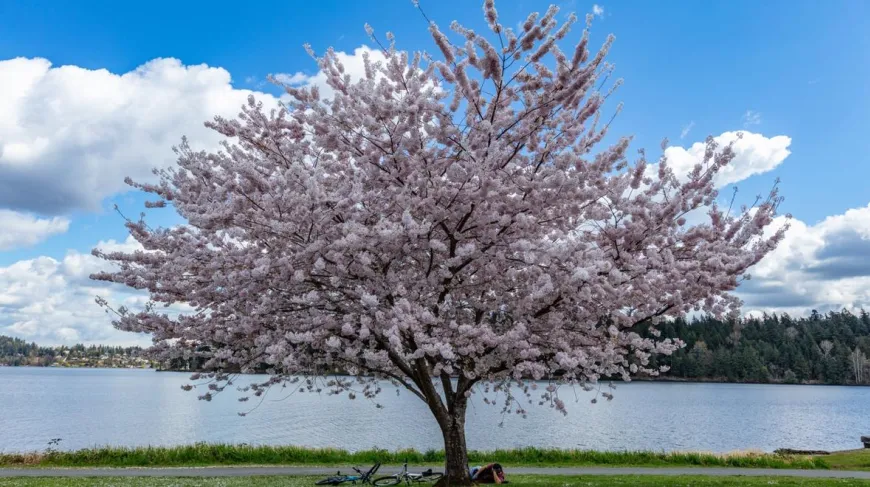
{"x": 251, "y": 471}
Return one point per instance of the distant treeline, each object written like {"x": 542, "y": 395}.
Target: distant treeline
{"x": 17, "y": 352}
{"x": 827, "y": 348}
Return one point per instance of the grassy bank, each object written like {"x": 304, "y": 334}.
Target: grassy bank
{"x": 849, "y": 460}
{"x": 219, "y": 454}
{"x": 516, "y": 480}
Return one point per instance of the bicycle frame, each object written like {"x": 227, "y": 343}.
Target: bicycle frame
{"x": 409, "y": 478}
{"x": 363, "y": 477}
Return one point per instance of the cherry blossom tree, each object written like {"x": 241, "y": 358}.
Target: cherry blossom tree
{"x": 451, "y": 224}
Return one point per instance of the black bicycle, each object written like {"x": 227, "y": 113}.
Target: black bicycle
{"x": 362, "y": 478}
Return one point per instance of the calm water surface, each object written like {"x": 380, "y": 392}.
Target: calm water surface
{"x": 88, "y": 407}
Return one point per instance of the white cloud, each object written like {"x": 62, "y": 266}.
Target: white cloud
{"x": 754, "y": 154}
{"x": 825, "y": 266}
{"x": 23, "y": 230}
{"x": 51, "y": 301}
{"x": 598, "y": 10}
{"x": 686, "y": 129}
{"x": 101, "y": 126}
{"x": 354, "y": 66}
{"x": 296, "y": 78}
{"x": 69, "y": 135}
{"x": 751, "y": 117}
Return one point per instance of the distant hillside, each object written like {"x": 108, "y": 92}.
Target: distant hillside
{"x": 17, "y": 352}
{"x": 826, "y": 349}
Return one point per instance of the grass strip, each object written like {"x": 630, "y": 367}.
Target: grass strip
{"x": 515, "y": 481}
{"x": 203, "y": 454}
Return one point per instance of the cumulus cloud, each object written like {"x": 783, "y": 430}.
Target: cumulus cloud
{"x": 754, "y": 154}
{"x": 99, "y": 126}
{"x": 23, "y": 229}
{"x": 69, "y": 135}
{"x": 51, "y": 301}
{"x": 825, "y": 266}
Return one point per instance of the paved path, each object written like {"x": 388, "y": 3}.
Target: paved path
{"x": 251, "y": 471}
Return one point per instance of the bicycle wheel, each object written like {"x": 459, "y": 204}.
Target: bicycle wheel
{"x": 435, "y": 477}
{"x": 391, "y": 480}
{"x": 332, "y": 481}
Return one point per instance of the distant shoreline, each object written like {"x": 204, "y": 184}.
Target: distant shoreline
{"x": 696, "y": 380}
{"x": 717, "y": 380}
{"x": 7, "y": 366}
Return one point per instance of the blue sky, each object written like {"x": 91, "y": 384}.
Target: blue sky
{"x": 794, "y": 69}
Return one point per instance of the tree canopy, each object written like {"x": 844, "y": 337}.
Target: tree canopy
{"x": 450, "y": 217}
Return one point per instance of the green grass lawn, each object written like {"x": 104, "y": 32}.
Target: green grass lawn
{"x": 515, "y": 480}
{"x": 218, "y": 454}
{"x": 849, "y": 460}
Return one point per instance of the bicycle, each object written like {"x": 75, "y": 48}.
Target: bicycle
{"x": 396, "y": 479}
{"x": 338, "y": 478}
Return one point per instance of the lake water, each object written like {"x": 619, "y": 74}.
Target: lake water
{"x": 87, "y": 407}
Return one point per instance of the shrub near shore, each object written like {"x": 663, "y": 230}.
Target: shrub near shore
{"x": 222, "y": 454}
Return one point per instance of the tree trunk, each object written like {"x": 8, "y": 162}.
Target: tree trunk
{"x": 449, "y": 412}
{"x": 456, "y": 453}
